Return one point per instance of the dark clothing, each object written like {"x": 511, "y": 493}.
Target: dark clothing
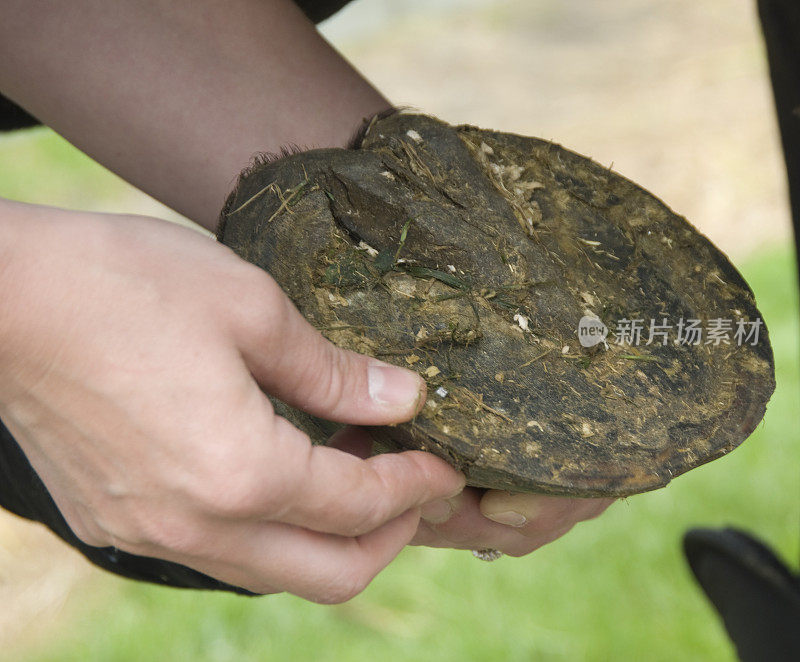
{"x": 319, "y": 10}
{"x": 756, "y": 595}
{"x": 13, "y": 117}
{"x": 22, "y": 491}
{"x": 780, "y": 23}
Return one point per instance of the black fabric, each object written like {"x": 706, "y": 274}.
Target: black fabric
{"x": 13, "y": 117}
{"x": 780, "y": 23}
{"x": 319, "y": 10}
{"x": 756, "y": 596}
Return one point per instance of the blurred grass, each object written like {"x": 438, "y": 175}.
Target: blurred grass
{"x": 615, "y": 588}
{"x": 37, "y": 165}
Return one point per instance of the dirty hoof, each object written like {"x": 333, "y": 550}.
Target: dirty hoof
{"x": 576, "y": 336}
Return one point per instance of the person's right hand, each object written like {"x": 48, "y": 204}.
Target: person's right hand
{"x": 133, "y": 354}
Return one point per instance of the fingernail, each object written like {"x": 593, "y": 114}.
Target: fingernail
{"x": 460, "y": 489}
{"x": 390, "y": 385}
{"x": 509, "y": 518}
{"x": 437, "y": 512}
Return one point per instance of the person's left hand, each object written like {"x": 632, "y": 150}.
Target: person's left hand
{"x": 513, "y": 523}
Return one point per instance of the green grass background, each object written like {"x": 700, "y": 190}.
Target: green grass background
{"x": 616, "y": 588}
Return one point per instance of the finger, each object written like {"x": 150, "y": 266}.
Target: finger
{"x": 511, "y": 543}
{"x": 334, "y": 492}
{"x": 293, "y": 361}
{"x": 359, "y": 442}
{"x": 270, "y": 557}
{"x": 525, "y": 544}
{"x": 536, "y": 515}
{"x": 425, "y": 536}
{"x": 467, "y": 528}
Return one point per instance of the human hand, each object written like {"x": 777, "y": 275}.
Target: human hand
{"x": 513, "y": 523}
{"x": 134, "y": 353}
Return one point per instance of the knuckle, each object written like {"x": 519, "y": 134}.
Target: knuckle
{"x": 370, "y": 518}
{"x": 328, "y": 369}
{"x": 416, "y": 475}
{"x": 342, "y": 588}
{"x": 262, "y": 299}
{"x": 348, "y": 521}
{"x": 376, "y": 510}
{"x": 229, "y": 494}
{"x": 226, "y": 481}
{"x": 179, "y": 537}
{"x": 279, "y": 490}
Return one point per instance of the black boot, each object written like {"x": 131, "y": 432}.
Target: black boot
{"x": 756, "y": 595}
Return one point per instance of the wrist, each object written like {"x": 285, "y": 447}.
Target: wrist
{"x": 11, "y": 246}
{"x": 36, "y": 272}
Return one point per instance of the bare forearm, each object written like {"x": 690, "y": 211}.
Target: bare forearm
{"x": 176, "y": 97}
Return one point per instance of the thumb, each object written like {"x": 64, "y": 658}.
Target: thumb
{"x": 291, "y": 360}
